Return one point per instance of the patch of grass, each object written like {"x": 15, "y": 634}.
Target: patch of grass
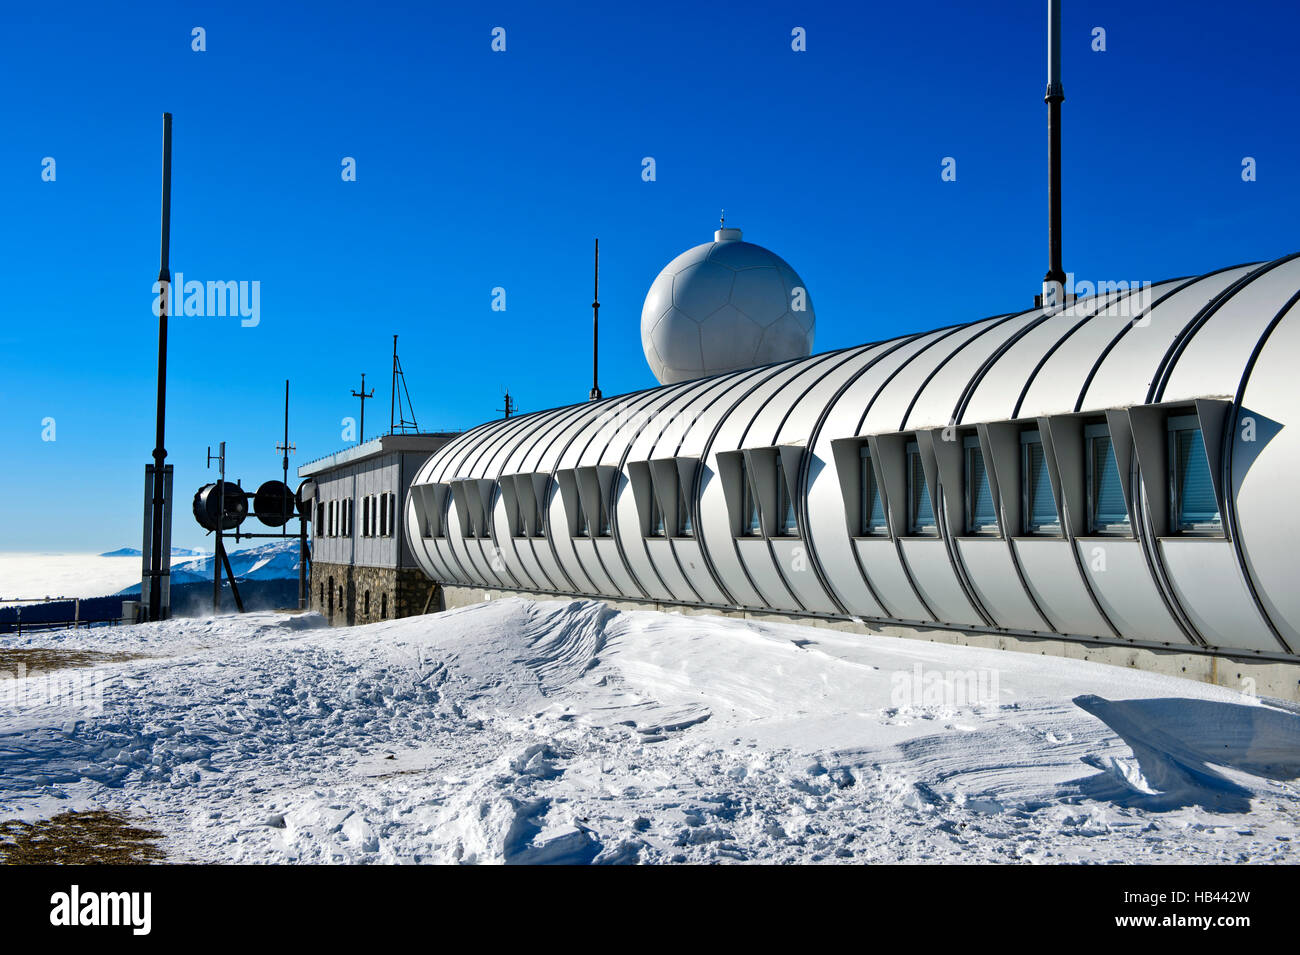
{"x": 78, "y": 838}
{"x": 45, "y": 659}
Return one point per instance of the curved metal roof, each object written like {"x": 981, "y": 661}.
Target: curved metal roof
{"x": 1182, "y": 341}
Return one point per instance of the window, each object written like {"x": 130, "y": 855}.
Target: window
{"x": 656, "y": 516}
{"x": 1107, "y": 511}
{"x": 382, "y": 503}
{"x": 685, "y": 528}
{"x": 446, "y": 513}
{"x": 920, "y": 509}
{"x": 1040, "y": 516}
{"x": 602, "y": 517}
{"x": 392, "y": 515}
{"x": 787, "y": 523}
{"x": 749, "y": 522}
{"x": 981, "y": 512}
{"x": 583, "y": 529}
{"x": 1193, "y": 504}
{"x": 872, "y": 519}
{"x": 365, "y": 517}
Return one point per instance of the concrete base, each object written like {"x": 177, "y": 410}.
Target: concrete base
{"x": 1252, "y": 677}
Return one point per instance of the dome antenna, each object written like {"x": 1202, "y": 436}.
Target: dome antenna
{"x": 1054, "y": 281}
{"x": 594, "y": 395}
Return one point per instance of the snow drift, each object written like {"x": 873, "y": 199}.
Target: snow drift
{"x": 541, "y": 732}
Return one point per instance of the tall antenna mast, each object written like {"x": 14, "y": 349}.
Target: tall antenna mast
{"x": 395, "y": 408}
{"x": 363, "y": 396}
{"x": 1054, "y": 281}
{"x": 510, "y": 407}
{"x": 157, "y": 543}
{"x": 595, "y": 331}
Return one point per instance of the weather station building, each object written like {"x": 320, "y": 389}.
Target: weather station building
{"x": 363, "y": 569}
{"x": 1108, "y": 478}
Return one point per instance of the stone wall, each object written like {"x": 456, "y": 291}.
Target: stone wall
{"x": 348, "y": 595}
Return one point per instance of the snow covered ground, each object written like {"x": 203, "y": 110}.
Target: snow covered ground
{"x": 523, "y": 731}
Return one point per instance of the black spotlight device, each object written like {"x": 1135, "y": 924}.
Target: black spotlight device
{"x": 274, "y": 503}
{"x": 220, "y": 502}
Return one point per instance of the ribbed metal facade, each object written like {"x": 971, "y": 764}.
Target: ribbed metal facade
{"x": 569, "y": 500}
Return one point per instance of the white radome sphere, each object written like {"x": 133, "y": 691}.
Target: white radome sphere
{"x": 722, "y": 306}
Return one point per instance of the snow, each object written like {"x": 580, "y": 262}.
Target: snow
{"x": 562, "y": 731}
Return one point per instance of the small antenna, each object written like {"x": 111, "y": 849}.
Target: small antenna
{"x": 511, "y": 407}
{"x": 595, "y": 331}
{"x": 287, "y": 449}
{"x": 395, "y": 406}
{"x": 363, "y": 396}
{"x": 722, "y": 220}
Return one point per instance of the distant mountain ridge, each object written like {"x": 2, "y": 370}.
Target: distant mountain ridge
{"x": 135, "y": 552}
{"x": 277, "y": 560}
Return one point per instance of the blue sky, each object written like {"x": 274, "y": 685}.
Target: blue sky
{"x": 478, "y": 169}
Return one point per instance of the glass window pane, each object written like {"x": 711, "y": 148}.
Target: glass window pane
{"x": 785, "y": 506}
{"x": 983, "y": 516}
{"x": 749, "y": 506}
{"x": 1195, "y": 490}
{"x": 1042, "y": 506}
{"x": 1108, "y": 507}
{"x": 872, "y": 508}
{"x": 684, "y": 528}
{"x": 922, "y": 510}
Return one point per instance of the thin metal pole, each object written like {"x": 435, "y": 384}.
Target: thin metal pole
{"x": 219, "y": 553}
{"x": 1055, "y": 96}
{"x": 285, "y": 460}
{"x": 392, "y": 400}
{"x": 595, "y": 330}
{"x": 160, "y": 563}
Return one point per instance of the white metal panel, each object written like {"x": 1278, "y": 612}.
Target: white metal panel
{"x": 1216, "y": 355}
{"x": 881, "y": 564}
{"x": 937, "y": 401}
{"x": 758, "y": 561}
{"x": 1264, "y": 477}
{"x": 1126, "y": 591}
{"x": 1124, "y": 375}
{"x": 928, "y": 561}
{"x": 793, "y": 558}
{"x": 1053, "y": 576}
{"x": 891, "y": 403}
{"x": 1203, "y": 573}
{"x": 688, "y": 555}
{"x": 993, "y": 575}
{"x": 1058, "y": 385}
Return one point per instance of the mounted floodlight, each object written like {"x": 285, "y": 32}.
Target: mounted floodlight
{"x": 274, "y": 503}
{"x": 208, "y": 506}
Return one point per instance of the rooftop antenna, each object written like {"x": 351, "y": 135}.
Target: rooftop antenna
{"x": 363, "y": 396}
{"x": 511, "y": 407}
{"x": 156, "y": 578}
{"x": 722, "y": 220}
{"x": 595, "y": 332}
{"x": 286, "y": 449}
{"x": 395, "y": 407}
{"x": 1054, "y": 281}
